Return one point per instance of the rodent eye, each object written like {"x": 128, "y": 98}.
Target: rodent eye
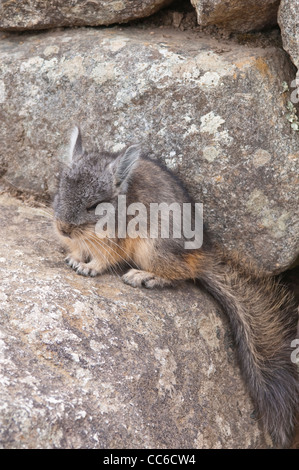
{"x": 92, "y": 208}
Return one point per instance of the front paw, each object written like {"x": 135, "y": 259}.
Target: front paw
{"x": 72, "y": 262}
{"x": 81, "y": 268}
{"x": 85, "y": 270}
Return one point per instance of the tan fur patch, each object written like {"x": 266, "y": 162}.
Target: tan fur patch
{"x": 143, "y": 251}
{"x": 197, "y": 262}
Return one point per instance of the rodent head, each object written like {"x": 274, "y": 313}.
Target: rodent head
{"x": 87, "y": 180}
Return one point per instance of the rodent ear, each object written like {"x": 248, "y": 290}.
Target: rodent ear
{"x": 125, "y": 164}
{"x": 76, "y": 149}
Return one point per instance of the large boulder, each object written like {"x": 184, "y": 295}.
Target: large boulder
{"x": 34, "y": 14}
{"x": 237, "y": 15}
{"x": 213, "y": 111}
{"x": 94, "y": 363}
{"x": 288, "y": 19}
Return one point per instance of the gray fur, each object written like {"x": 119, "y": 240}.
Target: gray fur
{"x": 91, "y": 180}
{"x": 263, "y": 317}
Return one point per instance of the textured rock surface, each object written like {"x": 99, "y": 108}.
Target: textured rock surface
{"x": 237, "y": 15}
{"x": 288, "y": 19}
{"x": 213, "y": 111}
{"x": 93, "y": 363}
{"x": 34, "y": 14}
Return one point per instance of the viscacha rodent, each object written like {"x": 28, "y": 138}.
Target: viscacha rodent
{"x": 262, "y": 314}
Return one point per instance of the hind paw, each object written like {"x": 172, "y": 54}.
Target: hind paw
{"x": 137, "y": 278}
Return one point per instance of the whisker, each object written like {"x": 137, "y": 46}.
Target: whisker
{"x": 83, "y": 249}
{"x": 47, "y": 207}
{"x": 97, "y": 239}
{"x": 42, "y": 211}
{"x": 123, "y": 250}
{"x": 110, "y": 248}
{"x": 110, "y": 266}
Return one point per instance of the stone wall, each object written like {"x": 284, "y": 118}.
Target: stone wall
{"x": 210, "y": 92}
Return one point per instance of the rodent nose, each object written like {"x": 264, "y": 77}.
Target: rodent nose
{"x": 65, "y": 233}
{"x": 64, "y": 228}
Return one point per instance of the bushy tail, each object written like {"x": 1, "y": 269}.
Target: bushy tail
{"x": 263, "y": 319}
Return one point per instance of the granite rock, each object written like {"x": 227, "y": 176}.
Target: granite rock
{"x": 93, "y": 363}
{"x": 237, "y": 15}
{"x": 288, "y": 19}
{"x": 213, "y": 111}
{"x": 34, "y": 14}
